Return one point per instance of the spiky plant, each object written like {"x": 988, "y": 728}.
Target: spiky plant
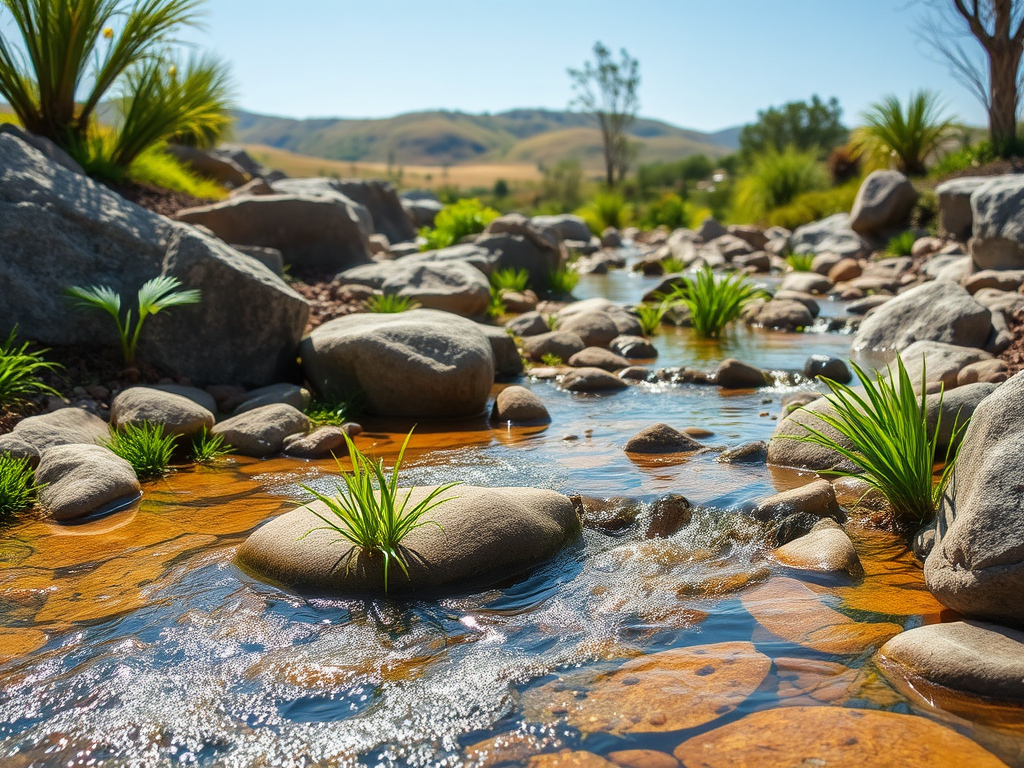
{"x": 902, "y": 244}
{"x": 207, "y": 447}
{"x": 454, "y": 222}
{"x": 389, "y": 303}
{"x": 562, "y": 281}
{"x": 906, "y": 137}
{"x": 800, "y": 262}
{"x": 650, "y": 316}
{"x": 17, "y": 485}
{"x": 514, "y": 280}
{"x": 145, "y": 446}
{"x": 20, "y": 369}
{"x": 712, "y": 303}
{"x": 333, "y": 411}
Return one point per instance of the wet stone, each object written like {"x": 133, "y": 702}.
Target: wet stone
{"x": 755, "y": 452}
{"x": 319, "y": 443}
{"x": 661, "y": 438}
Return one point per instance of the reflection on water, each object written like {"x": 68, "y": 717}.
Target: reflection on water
{"x": 135, "y": 640}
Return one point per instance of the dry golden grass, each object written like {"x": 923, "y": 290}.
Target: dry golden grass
{"x": 422, "y": 176}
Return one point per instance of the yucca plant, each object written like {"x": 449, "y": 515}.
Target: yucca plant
{"x": 389, "y": 303}
{"x": 20, "y": 369}
{"x": 650, "y": 316}
{"x": 908, "y": 138}
{"x": 207, "y": 447}
{"x": 902, "y": 244}
{"x": 155, "y": 295}
{"x": 17, "y": 484}
{"x": 887, "y": 428}
{"x": 370, "y": 512}
{"x": 775, "y": 179}
{"x": 561, "y": 281}
{"x": 145, "y": 446}
{"x": 800, "y": 262}
{"x": 713, "y": 303}
{"x": 514, "y": 280}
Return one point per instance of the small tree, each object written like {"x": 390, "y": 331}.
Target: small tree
{"x": 607, "y": 91}
{"x": 798, "y": 124}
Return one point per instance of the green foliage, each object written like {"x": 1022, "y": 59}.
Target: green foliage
{"x": 155, "y": 295}
{"x": 551, "y": 359}
{"x": 160, "y": 169}
{"x": 500, "y": 189}
{"x": 145, "y": 446}
{"x": 908, "y": 137}
{"x": 389, "y": 303}
{"x": 207, "y": 447}
{"x": 812, "y": 206}
{"x": 333, "y": 412}
{"x": 800, "y": 262}
{"x": 669, "y": 210}
{"x": 775, "y": 179}
{"x": 670, "y": 265}
{"x": 495, "y": 305}
{"x": 20, "y": 369}
{"x": 964, "y": 159}
{"x": 561, "y": 281}
{"x": 650, "y": 316}
{"x": 813, "y": 127}
{"x": 925, "y": 213}
{"x": 562, "y": 187}
{"x": 17, "y": 484}
{"x": 606, "y": 209}
{"x": 901, "y": 244}
{"x": 891, "y": 448}
{"x": 371, "y": 513}
{"x": 843, "y": 165}
{"x": 456, "y": 221}
{"x": 677, "y": 174}
{"x": 712, "y": 303}
{"x": 515, "y": 280}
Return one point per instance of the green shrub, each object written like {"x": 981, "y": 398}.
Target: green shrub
{"x": 551, "y": 359}
{"x": 160, "y": 169}
{"x": 776, "y": 179}
{"x": 925, "y": 213}
{"x": 650, "y": 316}
{"x": 20, "y": 369}
{"x": 145, "y": 446}
{"x": 964, "y": 159}
{"x": 389, "y": 303}
{"x": 561, "y": 281}
{"x": 155, "y": 295}
{"x": 908, "y": 137}
{"x": 800, "y": 262}
{"x": 514, "y": 280}
{"x": 371, "y": 513}
{"x": 606, "y": 209}
{"x": 495, "y": 305}
{"x": 207, "y": 447}
{"x": 456, "y": 221}
{"x": 712, "y": 303}
{"x": 843, "y": 165}
{"x": 902, "y": 244}
{"x": 812, "y": 206}
{"x": 17, "y": 484}
{"x": 891, "y": 448}
{"x": 333, "y": 411}
{"x": 669, "y": 211}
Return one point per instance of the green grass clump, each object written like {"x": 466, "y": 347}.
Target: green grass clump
{"x": 20, "y": 369}
{"x": 495, "y": 305}
{"x": 671, "y": 265}
{"x": 561, "y": 281}
{"x": 514, "y": 280}
{"x": 813, "y": 206}
{"x": 333, "y": 412}
{"x": 800, "y": 262}
{"x": 454, "y": 222}
{"x": 713, "y": 303}
{"x": 669, "y": 210}
{"x": 776, "y": 179}
{"x": 163, "y": 170}
{"x": 551, "y": 359}
{"x": 910, "y": 136}
{"x": 389, "y": 303}
{"x": 145, "y": 446}
{"x": 650, "y": 316}
{"x": 963, "y": 159}
{"x": 902, "y": 244}
{"x": 17, "y": 485}
{"x": 370, "y": 513}
{"x": 207, "y": 447}
{"x": 607, "y": 209}
{"x": 891, "y": 447}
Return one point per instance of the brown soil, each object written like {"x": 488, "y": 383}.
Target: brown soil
{"x": 157, "y": 199}
{"x": 1013, "y": 356}
{"x": 995, "y": 168}
{"x": 327, "y": 299}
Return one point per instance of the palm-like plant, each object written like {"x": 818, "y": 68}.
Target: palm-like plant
{"x": 155, "y": 295}
{"x": 776, "y": 179}
{"x": 650, "y": 316}
{"x": 906, "y": 137}
{"x": 713, "y": 303}
{"x": 66, "y": 44}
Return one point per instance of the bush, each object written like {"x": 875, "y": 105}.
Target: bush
{"x": 389, "y": 303}
{"x": 776, "y": 179}
{"x": 669, "y": 210}
{"x": 551, "y": 359}
{"x": 812, "y": 206}
{"x": 17, "y": 484}
{"x": 370, "y": 513}
{"x": 145, "y": 447}
{"x": 456, "y": 221}
{"x": 902, "y": 244}
{"x": 892, "y": 450}
{"x": 964, "y": 159}
{"x": 607, "y": 209}
{"x": 20, "y": 369}
{"x": 907, "y": 137}
{"x": 712, "y": 303}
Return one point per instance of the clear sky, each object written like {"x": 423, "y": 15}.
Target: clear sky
{"x": 705, "y": 64}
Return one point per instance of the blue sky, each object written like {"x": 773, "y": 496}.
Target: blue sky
{"x": 704, "y": 64}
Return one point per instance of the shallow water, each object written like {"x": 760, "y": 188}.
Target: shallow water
{"x": 136, "y": 640}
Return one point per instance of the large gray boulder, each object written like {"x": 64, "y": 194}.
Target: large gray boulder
{"x": 467, "y": 253}
{"x": 936, "y": 311}
{"x": 517, "y": 244}
{"x": 309, "y": 231}
{"x": 80, "y": 480}
{"x": 935, "y": 361}
{"x": 223, "y": 170}
{"x": 451, "y": 286}
{"x": 262, "y": 431}
{"x": 421, "y": 363}
{"x": 883, "y": 203}
{"x": 422, "y": 212}
{"x": 998, "y": 210}
{"x": 954, "y": 196}
{"x": 976, "y": 566}
{"x": 833, "y": 235}
{"x": 380, "y": 199}
{"x": 59, "y": 228}
{"x": 482, "y": 536}
{"x": 567, "y": 225}
{"x": 44, "y": 145}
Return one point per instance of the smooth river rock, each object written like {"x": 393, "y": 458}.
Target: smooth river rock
{"x": 34, "y": 434}
{"x": 81, "y": 479}
{"x": 262, "y": 431}
{"x": 177, "y": 414}
{"x": 518, "y": 405}
{"x": 661, "y": 438}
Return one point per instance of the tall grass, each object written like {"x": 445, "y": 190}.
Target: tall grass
{"x": 160, "y": 169}
{"x": 20, "y": 370}
{"x": 17, "y": 484}
{"x": 454, "y": 222}
{"x": 775, "y": 179}
{"x": 713, "y": 304}
{"x": 891, "y": 448}
{"x": 906, "y": 137}
{"x": 514, "y": 280}
{"x": 606, "y": 209}
{"x": 145, "y": 446}
{"x": 207, "y": 447}
{"x": 669, "y": 210}
{"x": 813, "y": 206}
{"x": 369, "y": 511}
{"x": 650, "y": 316}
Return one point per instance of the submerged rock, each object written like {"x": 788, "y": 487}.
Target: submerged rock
{"x": 486, "y": 535}
{"x": 826, "y": 548}
{"x": 80, "y": 480}
{"x": 661, "y": 438}
{"x": 755, "y": 452}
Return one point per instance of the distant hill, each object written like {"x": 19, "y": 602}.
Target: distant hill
{"x": 442, "y": 138}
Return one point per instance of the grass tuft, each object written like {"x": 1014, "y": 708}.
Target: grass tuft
{"x": 514, "y": 280}
{"x": 207, "y": 447}
{"x": 800, "y": 262}
{"x": 902, "y": 244}
{"x": 20, "y": 369}
{"x": 389, "y": 303}
{"x": 650, "y": 316}
{"x": 334, "y": 412}
{"x": 562, "y": 281}
{"x": 713, "y": 303}
{"x": 371, "y": 513}
{"x": 145, "y": 446}
{"x": 551, "y": 359}
{"x": 17, "y": 485}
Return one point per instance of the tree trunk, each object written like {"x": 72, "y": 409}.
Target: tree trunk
{"x": 1004, "y": 61}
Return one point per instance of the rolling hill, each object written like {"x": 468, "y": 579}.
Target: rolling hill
{"x": 442, "y": 138}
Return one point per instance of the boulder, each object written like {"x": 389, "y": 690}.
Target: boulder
{"x": 778, "y": 315}
{"x": 938, "y": 361}
{"x": 832, "y": 235}
{"x": 883, "y": 203}
{"x": 271, "y": 258}
{"x": 755, "y": 237}
{"x": 1000, "y": 279}
{"x": 482, "y": 536}
{"x": 710, "y": 229}
{"x": 288, "y": 394}
{"x": 43, "y": 145}
{"x": 865, "y": 305}
{"x": 67, "y": 426}
{"x": 422, "y": 212}
{"x": 518, "y": 405}
{"x": 816, "y": 497}
{"x": 806, "y": 282}
{"x": 80, "y": 480}
{"x": 825, "y": 548}
{"x": 597, "y": 357}
{"x": 388, "y": 216}
{"x": 977, "y": 564}
{"x": 937, "y": 311}
{"x": 178, "y": 415}
{"x": 597, "y": 329}
{"x": 633, "y": 348}
{"x": 325, "y": 441}
{"x": 223, "y": 170}
{"x": 568, "y": 226}
{"x": 954, "y": 198}
{"x": 507, "y": 362}
{"x": 561, "y": 344}
{"x": 845, "y": 269}
{"x": 240, "y": 157}
{"x": 661, "y": 438}
{"x": 988, "y": 371}
{"x": 829, "y": 367}
{"x": 591, "y": 380}
{"x": 972, "y": 657}
{"x": 61, "y": 229}
{"x": 733, "y": 374}
{"x": 420, "y": 363}
{"x": 611, "y": 238}
{"x": 450, "y": 286}
{"x": 730, "y": 247}
{"x": 261, "y": 432}
{"x": 528, "y": 324}
{"x": 998, "y": 210}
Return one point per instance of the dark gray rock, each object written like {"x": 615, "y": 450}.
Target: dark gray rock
{"x": 830, "y": 367}
{"x": 733, "y": 374}
{"x": 998, "y": 210}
